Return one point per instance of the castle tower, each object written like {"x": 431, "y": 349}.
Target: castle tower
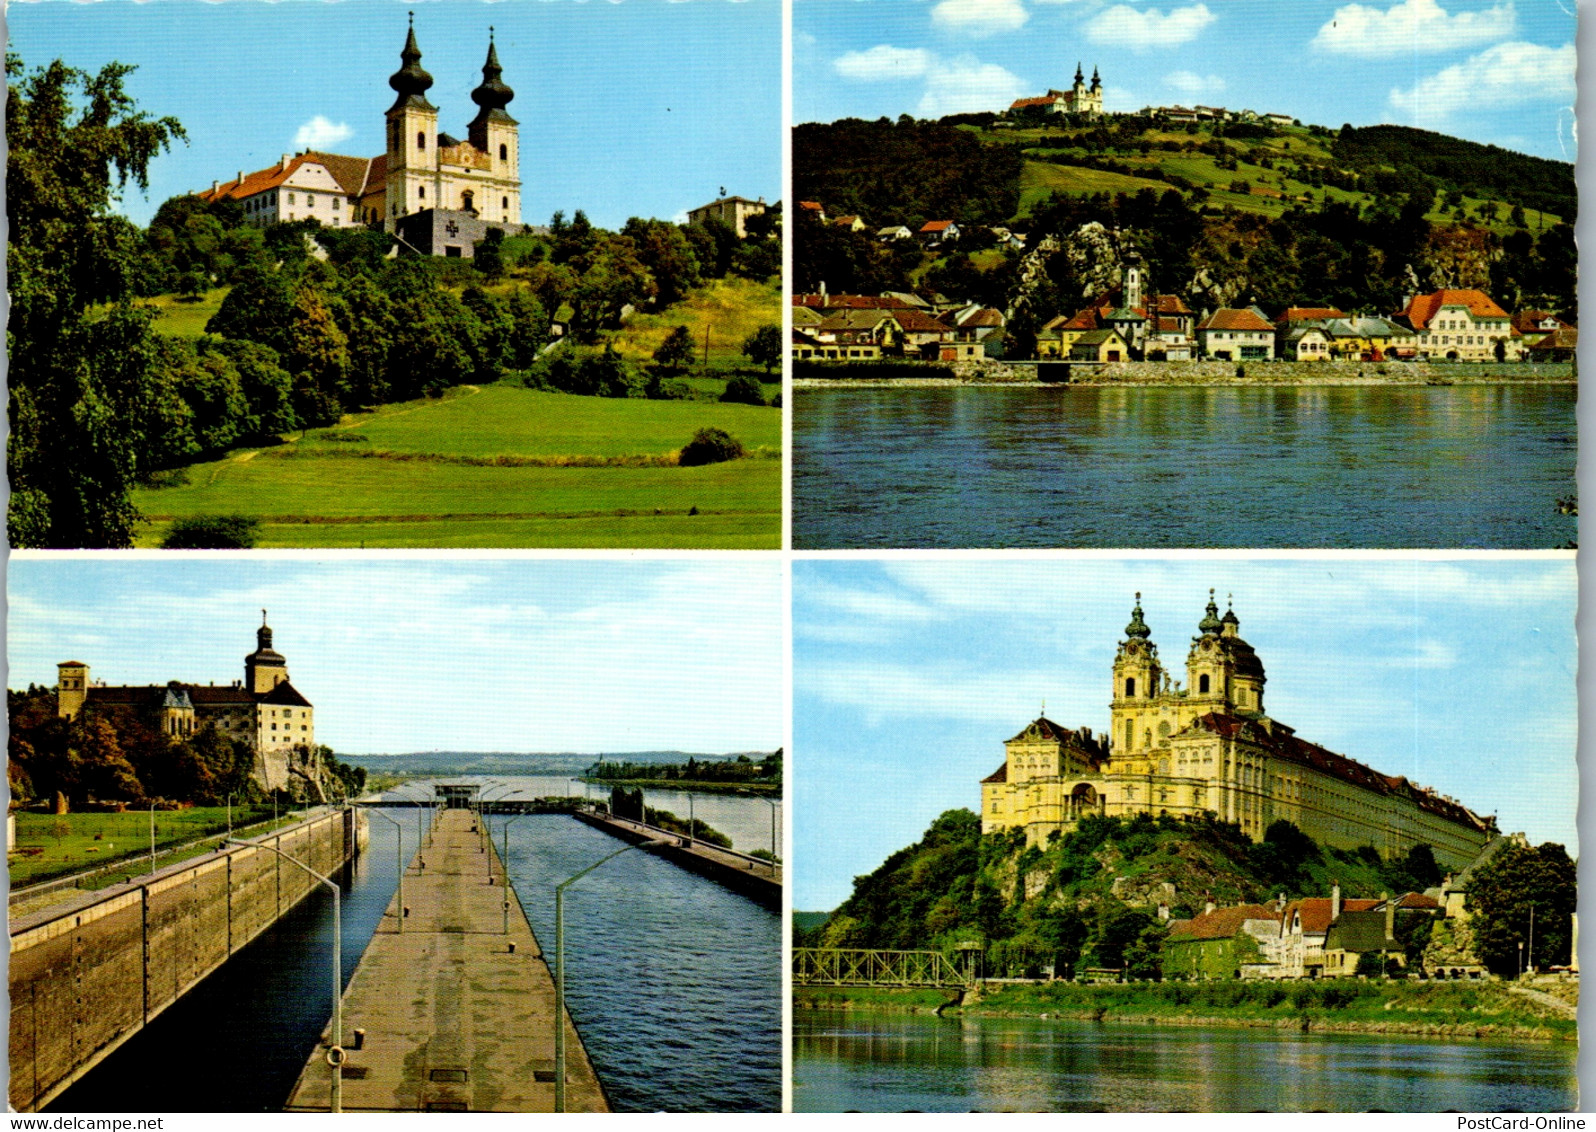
{"x": 265, "y": 668}
{"x": 72, "y": 686}
{"x": 497, "y": 135}
{"x": 1137, "y": 675}
{"x": 412, "y": 136}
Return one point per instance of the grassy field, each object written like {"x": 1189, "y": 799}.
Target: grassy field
{"x": 182, "y": 319}
{"x": 1040, "y": 179}
{"x": 498, "y": 466}
{"x": 89, "y": 840}
{"x": 731, "y": 309}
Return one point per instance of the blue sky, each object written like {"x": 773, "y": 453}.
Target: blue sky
{"x": 638, "y": 107}
{"x": 433, "y": 654}
{"x": 1494, "y": 71}
{"x": 908, "y": 675}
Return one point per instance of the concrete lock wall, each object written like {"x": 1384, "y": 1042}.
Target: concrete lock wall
{"x": 87, "y": 975}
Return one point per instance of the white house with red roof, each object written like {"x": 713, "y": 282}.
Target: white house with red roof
{"x": 1236, "y": 335}
{"x": 934, "y": 232}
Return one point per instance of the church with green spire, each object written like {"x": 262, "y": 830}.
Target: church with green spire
{"x": 1207, "y": 746}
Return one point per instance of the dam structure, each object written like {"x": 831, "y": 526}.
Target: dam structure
{"x": 452, "y": 1008}
{"x": 88, "y": 973}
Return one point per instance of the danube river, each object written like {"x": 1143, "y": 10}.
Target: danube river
{"x": 1072, "y": 466}
{"x": 674, "y": 984}
{"x": 859, "y": 1060}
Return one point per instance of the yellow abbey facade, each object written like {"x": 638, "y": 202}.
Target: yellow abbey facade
{"x": 1209, "y": 747}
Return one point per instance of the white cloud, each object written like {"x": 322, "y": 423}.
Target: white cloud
{"x": 1193, "y": 85}
{"x": 1505, "y": 75}
{"x": 979, "y": 18}
{"x": 965, "y": 85}
{"x": 883, "y": 63}
{"x": 1138, "y": 30}
{"x": 1411, "y": 27}
{"x": 319, "y": 133}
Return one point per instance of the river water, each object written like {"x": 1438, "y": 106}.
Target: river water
{"x": 702, "y": 972}
{"x": 1326, "y": 466}
{"x": 877, "y": 1062}
{"x": 747, "y": 821}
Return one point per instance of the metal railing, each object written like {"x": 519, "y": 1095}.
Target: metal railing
{"x": 840, "y": 967}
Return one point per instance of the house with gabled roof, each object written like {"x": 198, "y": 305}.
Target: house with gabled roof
{"x": 1236, "y": 335}
{"x": 934, "y": 232}
{"x": 1461, "y": 325}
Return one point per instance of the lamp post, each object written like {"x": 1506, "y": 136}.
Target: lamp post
{"x": 335, "y": 1052}
{"x": 775, "y": 805}
{"x": 487, "y": 833}
{"x": 152, "y": 837}
{"x": 559, "y": 967}
{"x": 399, "y": 858}
{"x": 504, "y": 864}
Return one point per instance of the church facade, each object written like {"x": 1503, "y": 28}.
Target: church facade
{"x": 1079, "y": 99}
{"x": 475, "y": 180}
{"x": 263, "y": 710}
{"x": 1209, "y": 747}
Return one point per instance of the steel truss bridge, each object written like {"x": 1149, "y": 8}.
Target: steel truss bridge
{"x": 835, "y": 967}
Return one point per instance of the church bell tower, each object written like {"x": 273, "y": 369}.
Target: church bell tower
{"x": 496, "y": 134}
{"x": 412, "y": 136}
{"x": 1137, "y": 675}
{"x": 265, "y": 668}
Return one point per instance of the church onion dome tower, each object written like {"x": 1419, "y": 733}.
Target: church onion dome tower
{"x": 1210, "y": 624}
{"x": 1137, "y": 673}
{"x": 1097, "y": 82}
{"x": 410, "y": 80}
{"x": 492, "y": 95}
{"x": 1137, "y": 629}
{"x": 1080, "y": 75}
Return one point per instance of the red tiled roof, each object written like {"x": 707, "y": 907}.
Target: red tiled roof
{"x": 986, "y": 316}
{"x": 936, "y": 225}
{"x": 850, "y": 302}
{"x": 1082, "y": 320}
{"x": 1283, "y": 744}
{"x": 356, "y": 176}
{"x": 1422, "y": 308}
{"x": 1227, "y": 318}
{"x": 1222, "y": 923}
{"x": 810, "y": 205}
{"x": 1001, "y": 774}
{"x": 1418, "y": 900}
{"x": 1169, "y": 326}
{"x": 1024, "y": 103}
{"x": 1565, "y": 339}
{"x": 1170, "y": 304}
{"x": 917, "y": 322}
{"x": 844, "y": 221}
{"x": 1315, "y": 912}
{"x": 1308, "y": 314}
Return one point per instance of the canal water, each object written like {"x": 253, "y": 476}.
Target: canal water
{"x": 1325, "y": 466}
{"x": 749, "y": 822}
{"x": 703, "y": 973}
{"x": 858, "y": 1060}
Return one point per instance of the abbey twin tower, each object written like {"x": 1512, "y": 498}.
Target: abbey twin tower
{"x": 1208, "y": 747}
{"x": 437, "y": 193}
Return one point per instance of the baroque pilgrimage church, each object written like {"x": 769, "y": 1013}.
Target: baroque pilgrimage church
{"x": 438, "y": 193}
{"x": 263, "y": 710}
{"x": 1079, "y": 99}
{"x": 1210, "y": 748}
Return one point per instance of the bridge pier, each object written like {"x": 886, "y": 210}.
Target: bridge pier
{"x": 456, "y": 1014}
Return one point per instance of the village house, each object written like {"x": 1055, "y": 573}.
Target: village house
{"x": 1236, "y": 336}
{"x": 894, "y": 232}
{"x": 1100, "y": 346}
{"x": 1461, "y": 325}
{"x": 935, "y": 232}
{"x": 1303, "y": 343}
{"x": 851, "y": 223}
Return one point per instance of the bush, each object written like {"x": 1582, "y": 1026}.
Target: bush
{"x": 710, "y": 446}
{"x": 744, "y": 390}
{"x": 212, "y": 532}
{"x": 667, "y": 389}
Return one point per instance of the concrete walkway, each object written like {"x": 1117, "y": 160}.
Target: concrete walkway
{"x": 1545, "y": 999}
{"x": 453, "y": 1019}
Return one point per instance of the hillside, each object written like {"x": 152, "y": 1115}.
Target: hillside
{"x": 1250, "y": 213}
{"x": 506, "y": 762}
{"x": 1091, "y": 897}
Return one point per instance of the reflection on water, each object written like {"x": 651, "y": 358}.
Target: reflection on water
{"x": 1459, "y": 466}
{"x": 858, "y": 1060}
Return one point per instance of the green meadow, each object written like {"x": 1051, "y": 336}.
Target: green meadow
{"x": 495, "y": 466}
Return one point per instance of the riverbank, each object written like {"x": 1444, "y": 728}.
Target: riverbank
{"x": 693, "y": 786}
{"x": 1198, "y": 374}
{"x": 1456, "y": 1010}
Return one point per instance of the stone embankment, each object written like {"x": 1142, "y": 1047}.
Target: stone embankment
{"x": 1259, "y": 374}
{"x": 88, "y": 973}
{"x": 757, "y": 879}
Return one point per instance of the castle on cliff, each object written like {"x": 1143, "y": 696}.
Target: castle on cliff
{"x": 264, "y": 710}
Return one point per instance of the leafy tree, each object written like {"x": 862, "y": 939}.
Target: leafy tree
{"x": 488, "y": 255}
{"x": 763, "y": 346}
{"x": 743, "y": 389}
{"x": 1506, "y": 888}
{"x": 78, "y": 351}
{"x": 676, "y": 351}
